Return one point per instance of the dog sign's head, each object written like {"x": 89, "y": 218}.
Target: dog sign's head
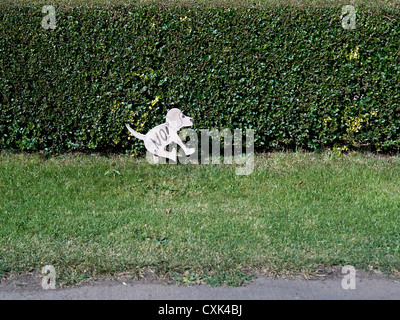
{"x": 177, "y": 119}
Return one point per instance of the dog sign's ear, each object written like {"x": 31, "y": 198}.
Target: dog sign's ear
{"x": 174, "y": 118}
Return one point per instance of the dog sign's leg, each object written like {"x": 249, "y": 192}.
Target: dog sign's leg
{"x": 192, "y": 144}
{"x": 154, "y": 158}
{"x": 166, "y": 154}
{"x": 172, "y": 148}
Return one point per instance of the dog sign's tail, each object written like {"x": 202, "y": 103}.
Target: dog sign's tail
{"x": 134, "y": 133}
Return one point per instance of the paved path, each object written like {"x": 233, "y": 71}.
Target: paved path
{"x": 376, "y": 287}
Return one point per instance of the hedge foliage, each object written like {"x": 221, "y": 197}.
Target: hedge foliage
{"x": 293, "y": 74}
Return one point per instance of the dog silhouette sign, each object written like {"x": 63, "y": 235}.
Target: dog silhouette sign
{"x": 158, "y": 138}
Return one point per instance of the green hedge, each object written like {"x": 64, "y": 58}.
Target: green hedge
{"x": 291, "y": 73}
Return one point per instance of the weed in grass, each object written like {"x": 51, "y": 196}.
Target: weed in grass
{"x": 188, "y": 278}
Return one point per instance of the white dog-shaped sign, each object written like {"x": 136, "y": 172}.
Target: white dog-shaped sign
{"x": 158, "y": 138}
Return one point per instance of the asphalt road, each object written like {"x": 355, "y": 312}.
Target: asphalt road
{"x": 374, "y": 287}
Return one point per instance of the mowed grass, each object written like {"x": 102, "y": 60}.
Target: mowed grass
{"x": 230, "y": 3}
{"x": 297, "y": 212}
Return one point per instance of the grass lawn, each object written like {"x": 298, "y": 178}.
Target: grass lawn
{"x": 297, "y": 212}
{"x": 230, "y": 3}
